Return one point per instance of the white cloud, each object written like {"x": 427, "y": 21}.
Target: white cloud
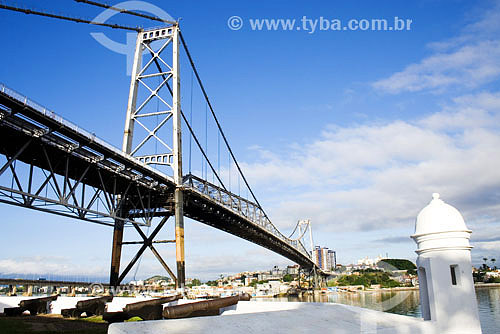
{"x": 207, "y": 266}
{"x": 44, "y": 265}
{"x": 469, "y": 66}
{"x": 467, "y": 60}
{"x": 378, "y": 176}
{"x": 488, "y": 246}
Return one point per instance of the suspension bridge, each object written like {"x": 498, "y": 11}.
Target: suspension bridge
{"x": 52, "y": 165}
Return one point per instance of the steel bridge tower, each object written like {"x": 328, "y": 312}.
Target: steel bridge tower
{"x": 160, "y": 71}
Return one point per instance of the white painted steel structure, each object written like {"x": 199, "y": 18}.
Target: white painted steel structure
{"x": 140, "y": 190}
{"x": 167, "y": 72}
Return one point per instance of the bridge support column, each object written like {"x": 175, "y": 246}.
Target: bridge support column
{"x": 315, "y": 277}
{"x": 116, "y": 254}
{"x": 177, "y": 163}
{"x": 12, "y": 290}
{"x": 28, "y": 290}
{"x": 179, "y": 239}
{"x": 300, "y": 286}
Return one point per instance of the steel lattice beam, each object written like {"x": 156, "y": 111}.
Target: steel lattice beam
{"x": 53, "y": 172}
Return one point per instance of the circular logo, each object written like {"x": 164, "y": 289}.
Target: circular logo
{"x": 235, "y": 22}
{"x": 95, "y": 288}
{"x": 131, "y": 39}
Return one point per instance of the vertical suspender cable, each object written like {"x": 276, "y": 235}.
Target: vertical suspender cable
{"x": 191, "y": 131}
{"x": 157, "y": 111}
{"x": 229, "y": 169}
{"x": 206, "y": 139}
{"x": 191, "y": 120}
{"x": 218, "y": 152}
{"x": 217, "y": 121}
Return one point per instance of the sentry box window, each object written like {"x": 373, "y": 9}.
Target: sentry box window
{"x": 453, "y": 270}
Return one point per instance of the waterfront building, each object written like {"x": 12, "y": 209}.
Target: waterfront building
{"x": 271, "y": 288}
{"x": 249, "y": 280}
{"x": 367, "y": 262}
{"x": 293, "y": 270}
{"x": 268, "y": 276}
{"x": 277, "y": 272}
{"x": 137, "y": 283}
{"x": 324, "y": 258}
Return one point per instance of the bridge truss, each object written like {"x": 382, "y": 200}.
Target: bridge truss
{"x": 54, "y": 166}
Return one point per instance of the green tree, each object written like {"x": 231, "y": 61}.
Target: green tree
{"x": 399, "y": 264}
{"x": 493, "y": 280}
{"x": 368, "y": 278}
{"x": 287, "y": 278}
{"x": 332, "y": 283}
{"x": 478, "y": 276}
{"x": 390, "y": 284}
{"x": 485, "y": 265}
{"x": 411, "y": 272}
{"x": 254, "y": 283}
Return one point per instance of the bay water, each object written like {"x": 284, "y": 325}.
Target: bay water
{"x": 407, "y": 303}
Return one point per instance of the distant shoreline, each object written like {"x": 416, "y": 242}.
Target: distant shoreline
{"x": 413, "y": 288}
{"x": 486, "y": 285}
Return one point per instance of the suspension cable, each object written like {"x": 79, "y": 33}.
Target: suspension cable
{"x": 300, "y": 237}
{"x": 67, "y": 18}
{"x": 217, "y": 122}
{"x": 295, "y": 229}
{"x": 303, "y": 232}
{"x": 124, "y": 11}
{"x": 190, "y": 128}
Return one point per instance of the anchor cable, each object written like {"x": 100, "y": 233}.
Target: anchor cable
{"x": 124, "y": 11}
{"x": 67, "y": 18}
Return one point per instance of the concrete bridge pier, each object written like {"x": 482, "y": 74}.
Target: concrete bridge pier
{"x": 28, "y": 290}
{"x": 322, "y": 281}
{"x": 12, "y": 290}
{"x": 315, "y": 279}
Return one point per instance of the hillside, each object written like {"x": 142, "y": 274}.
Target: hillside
{"x": 396, "y": 264}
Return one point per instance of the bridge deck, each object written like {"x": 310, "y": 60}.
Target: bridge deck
{"x": 71, "y": 159}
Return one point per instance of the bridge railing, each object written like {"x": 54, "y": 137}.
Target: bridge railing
{"x": 242, "y": 207}
{"x": 90, "y": 136}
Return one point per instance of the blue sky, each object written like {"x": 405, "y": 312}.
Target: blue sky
{"x": 352, "y": 129}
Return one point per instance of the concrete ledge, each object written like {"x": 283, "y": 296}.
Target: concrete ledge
{"x": 283, "y": 317}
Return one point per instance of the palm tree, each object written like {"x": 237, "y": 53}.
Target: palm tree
{"x": 485, "y": 266}
{"x": 493, "y": 263}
